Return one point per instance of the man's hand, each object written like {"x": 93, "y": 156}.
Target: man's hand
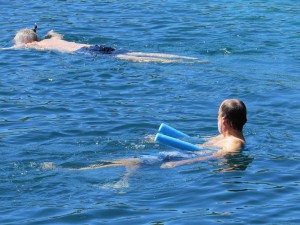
{"x": 53, "y": 34}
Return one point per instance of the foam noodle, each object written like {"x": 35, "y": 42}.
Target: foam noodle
{"x": 175, "y": 143}
{"x": 170, "y": 131}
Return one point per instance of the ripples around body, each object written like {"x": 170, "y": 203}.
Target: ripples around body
{"x": 59, "y": 110}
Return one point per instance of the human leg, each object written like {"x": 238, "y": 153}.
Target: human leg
{"x": 129, "y": 162}
{"x": 159, "y": 55}
{"x": 143, "y": 58}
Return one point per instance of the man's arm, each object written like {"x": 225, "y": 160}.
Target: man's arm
{"x": 187, "y": 161}
{"x": 53, "y": 34}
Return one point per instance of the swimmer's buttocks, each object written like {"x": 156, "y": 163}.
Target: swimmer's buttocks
{"x": 105, "y": 49}
{"x": 96, "y": 50}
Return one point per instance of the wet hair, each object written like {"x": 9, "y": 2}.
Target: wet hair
{"x": 25, "y": 36}
{"x": 235, "y": 112}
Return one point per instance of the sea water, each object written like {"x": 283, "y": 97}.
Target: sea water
{"x": 62, "y": 111}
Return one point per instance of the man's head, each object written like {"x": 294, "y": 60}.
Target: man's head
{"x": 25, "y": 36}
{"x": 234, "y": 112}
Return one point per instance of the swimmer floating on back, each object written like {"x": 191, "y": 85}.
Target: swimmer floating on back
{"x": 28, "y": 39}
{"x": 232, "y": 117}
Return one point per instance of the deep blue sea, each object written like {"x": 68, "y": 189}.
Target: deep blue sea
{"x": 72, "y": 111}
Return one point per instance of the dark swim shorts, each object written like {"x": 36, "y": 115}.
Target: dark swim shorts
{"x": 167, "y": 156}
{"x": 96, "y": 50}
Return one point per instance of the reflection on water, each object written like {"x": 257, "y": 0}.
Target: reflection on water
{"x": 75, "y": 111}
{"x": 235, "y": 162}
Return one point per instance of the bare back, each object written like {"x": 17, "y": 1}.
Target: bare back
{"x": 229, "y": 144}
{"x": 56, "y": 45}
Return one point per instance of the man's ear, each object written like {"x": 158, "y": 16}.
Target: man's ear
{"x": 225, "y": 122}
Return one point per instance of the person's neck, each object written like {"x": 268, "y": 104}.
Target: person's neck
{"x": 233, "y": 133}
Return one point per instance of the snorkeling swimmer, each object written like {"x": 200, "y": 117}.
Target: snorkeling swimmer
{"x": 28, "y": 39}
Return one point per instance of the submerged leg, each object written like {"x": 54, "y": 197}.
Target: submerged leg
{"x": 130, "y": 162}
{"x": 157, "y": 57}
{"x": 141, "y": 58}
{"x": 160, "y": 55}
{"x": 124, "y": 181}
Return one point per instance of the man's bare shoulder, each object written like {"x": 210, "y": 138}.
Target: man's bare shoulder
{"x": 213, "y": 141}
{"x": 233, "y": 144}
{"x": 58, "y": 45}
{"x": 51, "y": 41}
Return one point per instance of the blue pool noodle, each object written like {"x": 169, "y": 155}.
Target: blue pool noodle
{"x": 175, "y": 143}
{"x": 170, "y": 131}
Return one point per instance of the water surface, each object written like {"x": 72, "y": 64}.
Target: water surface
{"x": 75, "y": 110}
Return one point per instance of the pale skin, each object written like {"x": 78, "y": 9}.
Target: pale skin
{"x": 230, "y": 141}
{"x": 56, "y": 43}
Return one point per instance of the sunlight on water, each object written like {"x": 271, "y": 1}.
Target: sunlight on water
{"x": 61, "y": 111}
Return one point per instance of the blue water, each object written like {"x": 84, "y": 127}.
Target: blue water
{"x": 75, "y": 110}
